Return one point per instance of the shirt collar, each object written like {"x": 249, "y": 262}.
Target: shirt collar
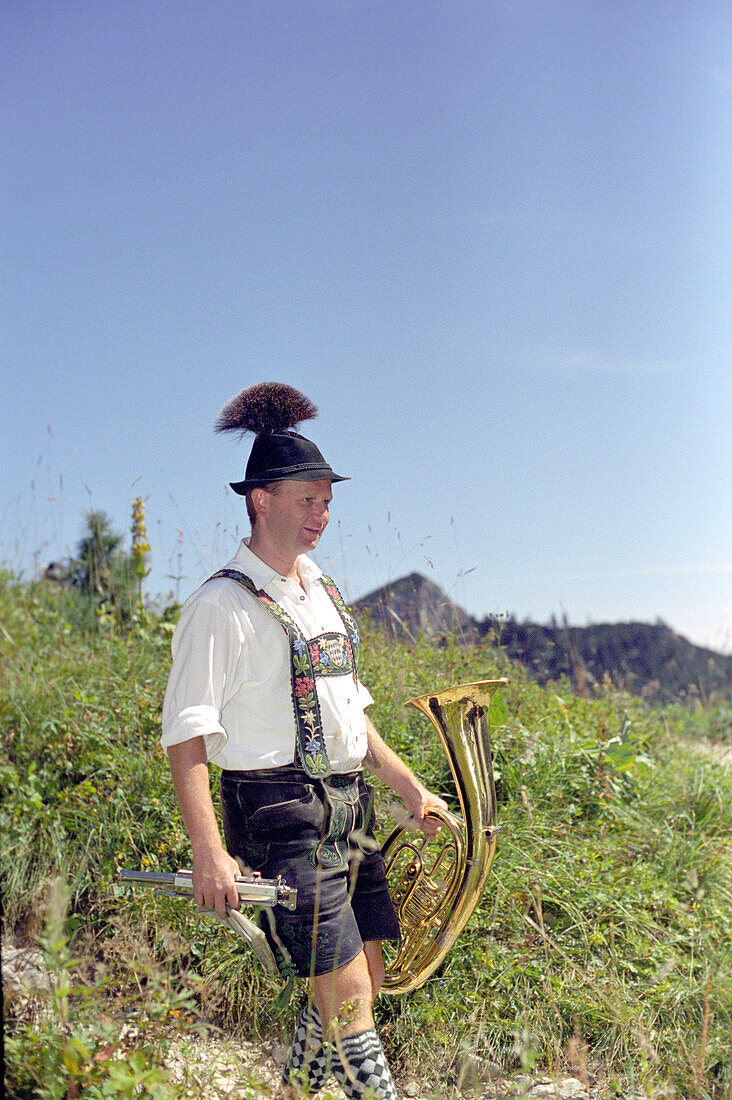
{"x": 262, "y": 574}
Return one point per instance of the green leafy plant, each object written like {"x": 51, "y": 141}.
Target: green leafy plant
{"x": 74, "y": 1047}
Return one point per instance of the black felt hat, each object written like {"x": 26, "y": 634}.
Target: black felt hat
{"x": 271, "y": 410}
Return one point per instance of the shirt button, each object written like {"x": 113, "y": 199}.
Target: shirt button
{"x": 302, "y": 597}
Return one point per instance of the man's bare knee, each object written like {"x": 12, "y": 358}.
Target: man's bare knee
{"x": 344, "y": 997}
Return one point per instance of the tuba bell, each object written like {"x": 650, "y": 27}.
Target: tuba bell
{"x": 436, "y": 884}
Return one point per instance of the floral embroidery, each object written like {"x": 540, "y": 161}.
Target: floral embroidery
{"x": 304, "y": 685}
{"x": 348, "y": 620}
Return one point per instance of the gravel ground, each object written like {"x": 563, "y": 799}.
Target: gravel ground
{"x": 226, "y": 1069}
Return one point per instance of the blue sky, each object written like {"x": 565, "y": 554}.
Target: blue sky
{"x": 491, "y": 241}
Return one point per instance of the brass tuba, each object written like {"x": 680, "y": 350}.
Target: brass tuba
{"x": 436, "y": 885}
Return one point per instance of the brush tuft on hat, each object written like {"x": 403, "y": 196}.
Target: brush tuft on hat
{"x": 267, "y": 408}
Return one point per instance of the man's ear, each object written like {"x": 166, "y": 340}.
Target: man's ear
{"x": 260, "y": 499}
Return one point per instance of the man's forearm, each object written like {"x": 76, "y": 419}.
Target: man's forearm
{"x": 190, "y": 778}
{"x": 214, "y": 870}
{"x": 384, "y": 762}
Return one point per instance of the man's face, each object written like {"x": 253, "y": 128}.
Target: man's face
{"x": 295, "y": 515}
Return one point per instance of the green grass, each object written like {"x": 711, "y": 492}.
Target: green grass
{"x": 604, "y": 936}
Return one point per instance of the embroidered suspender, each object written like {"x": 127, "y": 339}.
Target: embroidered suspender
{"x": 347, "y": 618}
{"x": 326, "y": 655}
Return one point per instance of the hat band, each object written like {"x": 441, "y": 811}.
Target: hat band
{"x": 286, "y": 471}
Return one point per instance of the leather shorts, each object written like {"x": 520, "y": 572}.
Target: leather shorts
{"x": 318, "y": 835}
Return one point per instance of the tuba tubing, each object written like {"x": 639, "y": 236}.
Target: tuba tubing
{"x": 436, "y": 885}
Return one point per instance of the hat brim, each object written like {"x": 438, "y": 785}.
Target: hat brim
{"x": 321, "y": 473}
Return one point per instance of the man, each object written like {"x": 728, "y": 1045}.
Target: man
{"x": 264, "y": 684}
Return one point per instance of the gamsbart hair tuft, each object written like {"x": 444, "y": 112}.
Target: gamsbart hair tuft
{"x": 268, "y": 407}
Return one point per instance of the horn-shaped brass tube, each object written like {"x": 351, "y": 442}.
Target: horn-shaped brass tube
{"x": 436, "y": 885}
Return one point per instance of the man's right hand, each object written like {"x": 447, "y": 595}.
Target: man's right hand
{"x": 214, "y": 885}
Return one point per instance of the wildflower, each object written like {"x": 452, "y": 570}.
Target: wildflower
{"x": 140, "y": 545}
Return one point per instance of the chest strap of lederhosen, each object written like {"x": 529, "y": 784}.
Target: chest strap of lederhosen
{"x": 328, "y": 654}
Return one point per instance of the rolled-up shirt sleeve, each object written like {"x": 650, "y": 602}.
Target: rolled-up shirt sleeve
{"x": 207, "y": 648}
{"x": 365, "y": 697}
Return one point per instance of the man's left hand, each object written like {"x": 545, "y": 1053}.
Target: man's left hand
{"x": 419, "y": 804}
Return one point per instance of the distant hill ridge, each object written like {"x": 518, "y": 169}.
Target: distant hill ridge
{"x": 643, "y": 658}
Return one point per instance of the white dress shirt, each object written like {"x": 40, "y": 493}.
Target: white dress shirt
{"x": 230, "y": 678}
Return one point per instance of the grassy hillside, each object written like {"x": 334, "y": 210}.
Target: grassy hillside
{"x": 603, "y": 942}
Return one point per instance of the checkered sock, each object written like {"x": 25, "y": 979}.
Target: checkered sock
{"x": 308, "y": 1064}
{"x": 361, "y": 1067}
